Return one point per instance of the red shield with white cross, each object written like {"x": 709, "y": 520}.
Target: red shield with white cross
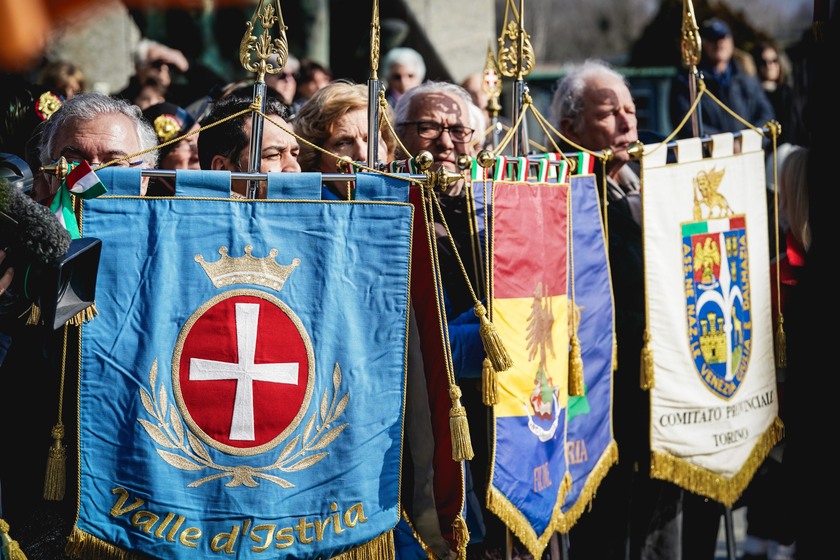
{"x": 243, "y": 372}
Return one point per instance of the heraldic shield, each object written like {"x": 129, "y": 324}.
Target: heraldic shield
{"x": 708, "y": 357}
{"x": 242, "y": 388}
{"x": 717, "y": 300}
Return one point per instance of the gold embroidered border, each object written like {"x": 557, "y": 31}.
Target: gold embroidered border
{"x": 710, "y": 484}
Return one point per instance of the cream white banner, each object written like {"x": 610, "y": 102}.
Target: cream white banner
{"x": 714, "y": 404}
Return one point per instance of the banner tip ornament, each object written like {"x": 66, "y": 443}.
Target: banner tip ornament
{"x": 690, "y": 46}
{"x": 264, "y": 46}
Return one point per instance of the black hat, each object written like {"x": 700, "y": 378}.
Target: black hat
{"x": 714, "y": 29}
{"x": 169, "y": 121}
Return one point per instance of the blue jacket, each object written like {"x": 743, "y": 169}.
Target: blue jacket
{"x": 735, "y": 88}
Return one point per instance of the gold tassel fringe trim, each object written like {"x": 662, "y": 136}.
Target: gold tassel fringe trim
{"x": 55, "y": 480}
{"x": 590, "y": 488}
{"x": 462, "y": 449}
{"x": 429, "y": 553}
{"x": 462, "y": 536}
{"x": 34, "y": 315}
{"x": 9, "y": 548}
{"x": 710, "y": 484}
{"x": 489, "y": 383}
{"x": 576, "y": 386}
{"x": 84, "y": 545}
{"x": 615, "y": 354}
{"x": 519, "y": 525}
{"x": 781, "y": 343}
{"x": 380, "y": 548}
{"x": 493, "y": 346}
{"x": 83, "y": 316}
{"x": 646, "y": 370}
{"x": 76, "y": 320}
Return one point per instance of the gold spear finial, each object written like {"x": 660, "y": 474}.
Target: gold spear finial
{"x": 516, "y": 55}
{"x": 255, "y": 50}
{"x": 491, "y": 83}
{"x": 374, "y": 41}
{"x": 690, "y": 43}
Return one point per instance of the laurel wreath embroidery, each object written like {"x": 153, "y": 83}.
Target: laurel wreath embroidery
{"x": 302, "y": 452}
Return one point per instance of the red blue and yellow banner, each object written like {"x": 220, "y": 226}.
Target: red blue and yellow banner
{"x": 529, "y": 477}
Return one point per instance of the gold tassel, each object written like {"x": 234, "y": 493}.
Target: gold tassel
{"x": 646, "y": 369}
{"x": 615, "y": 354}
{"x": 575, "y": 369}
{"x": 462, "y": 536}
{"x": 83, "y": 316}
{"x": 489, "y": 383}
{"x": 34, "y": 315}
{"x": 9, "y": 547}
{"x": 781, "y": 343}
{"x": 55, "y": 480}
{"x": 492, "y": 343}
{"x": 459, "y": 427}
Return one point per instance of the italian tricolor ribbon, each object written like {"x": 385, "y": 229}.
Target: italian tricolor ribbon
{"x": 82, "y": 182}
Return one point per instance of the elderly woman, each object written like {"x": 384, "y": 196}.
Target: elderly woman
{"x": 335, "y": 121}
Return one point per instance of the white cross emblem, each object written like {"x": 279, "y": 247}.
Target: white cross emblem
{"x": 245, "y": 372}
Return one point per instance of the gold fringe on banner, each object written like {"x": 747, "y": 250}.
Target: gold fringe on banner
{"x": 489, "y": 383}
{"x": 781, "y": 343}
{"x": 462, "y": 536}
{"x": 9, "y": 548}
{"x": 513, "y": 518}
{"x": 55, "y": 480}
{"x": 615, "y": 354}
{"x": 712, "y": 485}
{"x": 380, "y": 548}
{"x": 461, "y": 444}
{"x": 590, "y": 489}
{"x": 34, "y": 315}
{"x": 84, "y": 545}
{"x": 84, "y": 316}
{"x": 492, "y": 343}
{"x": 576, "y": 388}
{"x": 646, "y": 370}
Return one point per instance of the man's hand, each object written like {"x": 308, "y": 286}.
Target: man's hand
{"x": 150, "y": 51}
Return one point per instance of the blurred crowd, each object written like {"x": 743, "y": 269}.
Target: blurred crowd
{"x": 320, "y": 120}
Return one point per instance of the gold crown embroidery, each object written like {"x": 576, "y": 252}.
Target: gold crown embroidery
{"x": 247, "y": 269}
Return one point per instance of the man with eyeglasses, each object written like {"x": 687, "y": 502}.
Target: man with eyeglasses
{"x": 102, "y": 130}
{"x": 435, "y": 116}
{"x": 42, "y": 366}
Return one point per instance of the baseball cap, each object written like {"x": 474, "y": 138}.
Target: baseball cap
{"x": 714, "y": 29}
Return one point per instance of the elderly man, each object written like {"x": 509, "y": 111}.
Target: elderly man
{"x": 102, "y": 130}
{"x": 435, "y": 117}
{"x": 227, "y": 146}
{"x": 41, "y": 368}
{"x": 593, "y": 107}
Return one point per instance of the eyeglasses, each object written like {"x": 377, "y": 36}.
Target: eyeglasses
{"x": 769, "y": 61}
{"x": 431, "y": 130}
{"x": 95, "y": 164}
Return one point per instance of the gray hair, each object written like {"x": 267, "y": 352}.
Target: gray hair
{"x": 404, "y": 104}
{"x": 88, "y": 105}
{"x": 407, "y": 57}
{"x": 567, "y": 102}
